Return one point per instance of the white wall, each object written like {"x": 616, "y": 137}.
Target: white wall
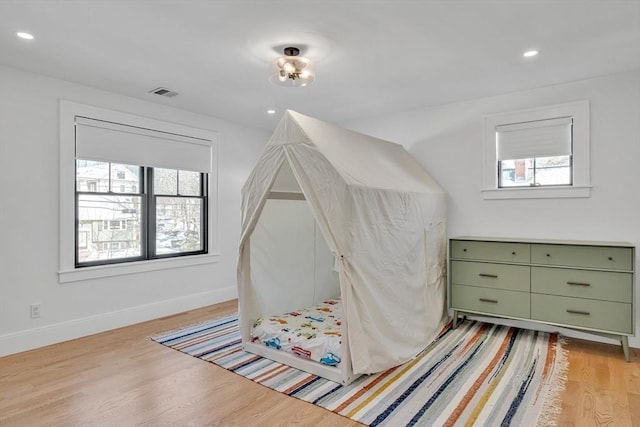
{"x": 29, "y": 209}
{"x": 447, "y": 140}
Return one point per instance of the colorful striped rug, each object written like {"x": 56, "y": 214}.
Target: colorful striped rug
{"x": 478, "y": 374}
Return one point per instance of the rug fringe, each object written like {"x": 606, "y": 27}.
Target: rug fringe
{"x": 552, "y": 405}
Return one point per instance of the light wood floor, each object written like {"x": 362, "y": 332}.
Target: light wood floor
{"x": 122, "y": 378}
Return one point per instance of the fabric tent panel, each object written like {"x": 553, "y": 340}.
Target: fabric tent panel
{"x": 285, "y": 182}
{"x": 376, "y": 232}
{"x": 254, "y": 196}
{"x": 326, "y": 278}
{"x": 389, "y": 273}
{"x": 325, "y": 191}
{"x": 288, "y": 131}
{"x": 360, "y": 158}
{"x": 256, "y": 189}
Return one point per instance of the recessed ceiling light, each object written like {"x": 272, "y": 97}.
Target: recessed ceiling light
{"x": 530, "y": 53}
{"x": 271, "y": 111}
{"x": 24, "y": 35}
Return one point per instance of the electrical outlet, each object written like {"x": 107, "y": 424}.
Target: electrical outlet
{"x": 36, "y": 311}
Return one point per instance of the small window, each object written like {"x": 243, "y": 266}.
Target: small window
{"x": 538, "y": 153}
{"x": 535, "y": 153}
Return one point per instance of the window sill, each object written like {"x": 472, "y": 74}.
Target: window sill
{"x": 88, "y": 273}
{"x": 537, "y": 193}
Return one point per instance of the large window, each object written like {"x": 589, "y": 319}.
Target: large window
{"x": 131, "y": 213}
{"x": 137, "y": 194}
{"x": 537, "y": 153}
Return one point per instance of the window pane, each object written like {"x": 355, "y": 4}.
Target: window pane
{"x": 92, "y": 176}
{"x": 553, "y": 170}
{"x": 516, "y": 173}
{"x": 189, "y": 183}
{"x": 125, "y": 178}
{"x": 541, "y": 171}
{"x": 178, "y": 225}
{"x": 109, "y": 227}
{"x": 165, "y": 181}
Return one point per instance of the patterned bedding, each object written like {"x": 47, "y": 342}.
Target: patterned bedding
{"x": 311, "y": 333}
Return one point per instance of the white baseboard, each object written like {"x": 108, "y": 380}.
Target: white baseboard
{"x": 16, "y": 342}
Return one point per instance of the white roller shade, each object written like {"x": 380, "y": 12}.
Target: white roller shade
{"x": 541, "y": 138}
{"x": 112, "y": 142}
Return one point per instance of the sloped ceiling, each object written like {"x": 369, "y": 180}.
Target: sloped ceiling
{"x": 372, "y": 57}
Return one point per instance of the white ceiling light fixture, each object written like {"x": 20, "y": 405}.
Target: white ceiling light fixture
{"x": 530, "y": 53}
{"x": 271, "y": 111}
{"x": 291, "y": 69}
{"x": 25, "y": 36}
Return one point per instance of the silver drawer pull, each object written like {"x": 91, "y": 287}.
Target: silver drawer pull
{"x": 493, "y": 276}
{"x": 584, "y": 313}
{"x": 578, "y": 284}
{"x": 494, "y": 301}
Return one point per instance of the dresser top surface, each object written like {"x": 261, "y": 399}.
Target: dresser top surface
{"x": 543, "y": 241}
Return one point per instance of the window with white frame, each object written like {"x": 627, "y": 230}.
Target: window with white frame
{"x": 538, "y": 153}
{"x": 129, "y": 187}
{"x": 142, "y": 193}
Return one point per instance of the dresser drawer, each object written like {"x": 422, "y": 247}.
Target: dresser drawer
{"x": 491, "y": 251}
{"x": 498, "y": 276}
{"x": 490, "y": 301}
{"x": 603, "y": 285}
{"x": 614, "y": 258}
{"x": 601, "y": 315}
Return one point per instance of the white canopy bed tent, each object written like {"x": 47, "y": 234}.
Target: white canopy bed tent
{"x": 329, "y": 212}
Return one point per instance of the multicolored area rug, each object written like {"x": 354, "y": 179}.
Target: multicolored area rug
{"x": 478, "y": 374}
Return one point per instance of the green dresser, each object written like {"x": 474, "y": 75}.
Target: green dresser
{"x": 588, "y": 286}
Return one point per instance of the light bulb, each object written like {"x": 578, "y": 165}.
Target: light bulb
{"x": 288, "y": 67}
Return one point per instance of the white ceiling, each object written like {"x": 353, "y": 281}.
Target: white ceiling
{"x": 372, "y": 57}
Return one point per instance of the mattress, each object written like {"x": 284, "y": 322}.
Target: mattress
{"x": 312, "y": 333}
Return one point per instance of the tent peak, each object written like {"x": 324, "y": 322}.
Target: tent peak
{"x": 361, "y": 160}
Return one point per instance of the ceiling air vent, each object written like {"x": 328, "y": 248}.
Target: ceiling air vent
{"x": 163, "y": 91}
